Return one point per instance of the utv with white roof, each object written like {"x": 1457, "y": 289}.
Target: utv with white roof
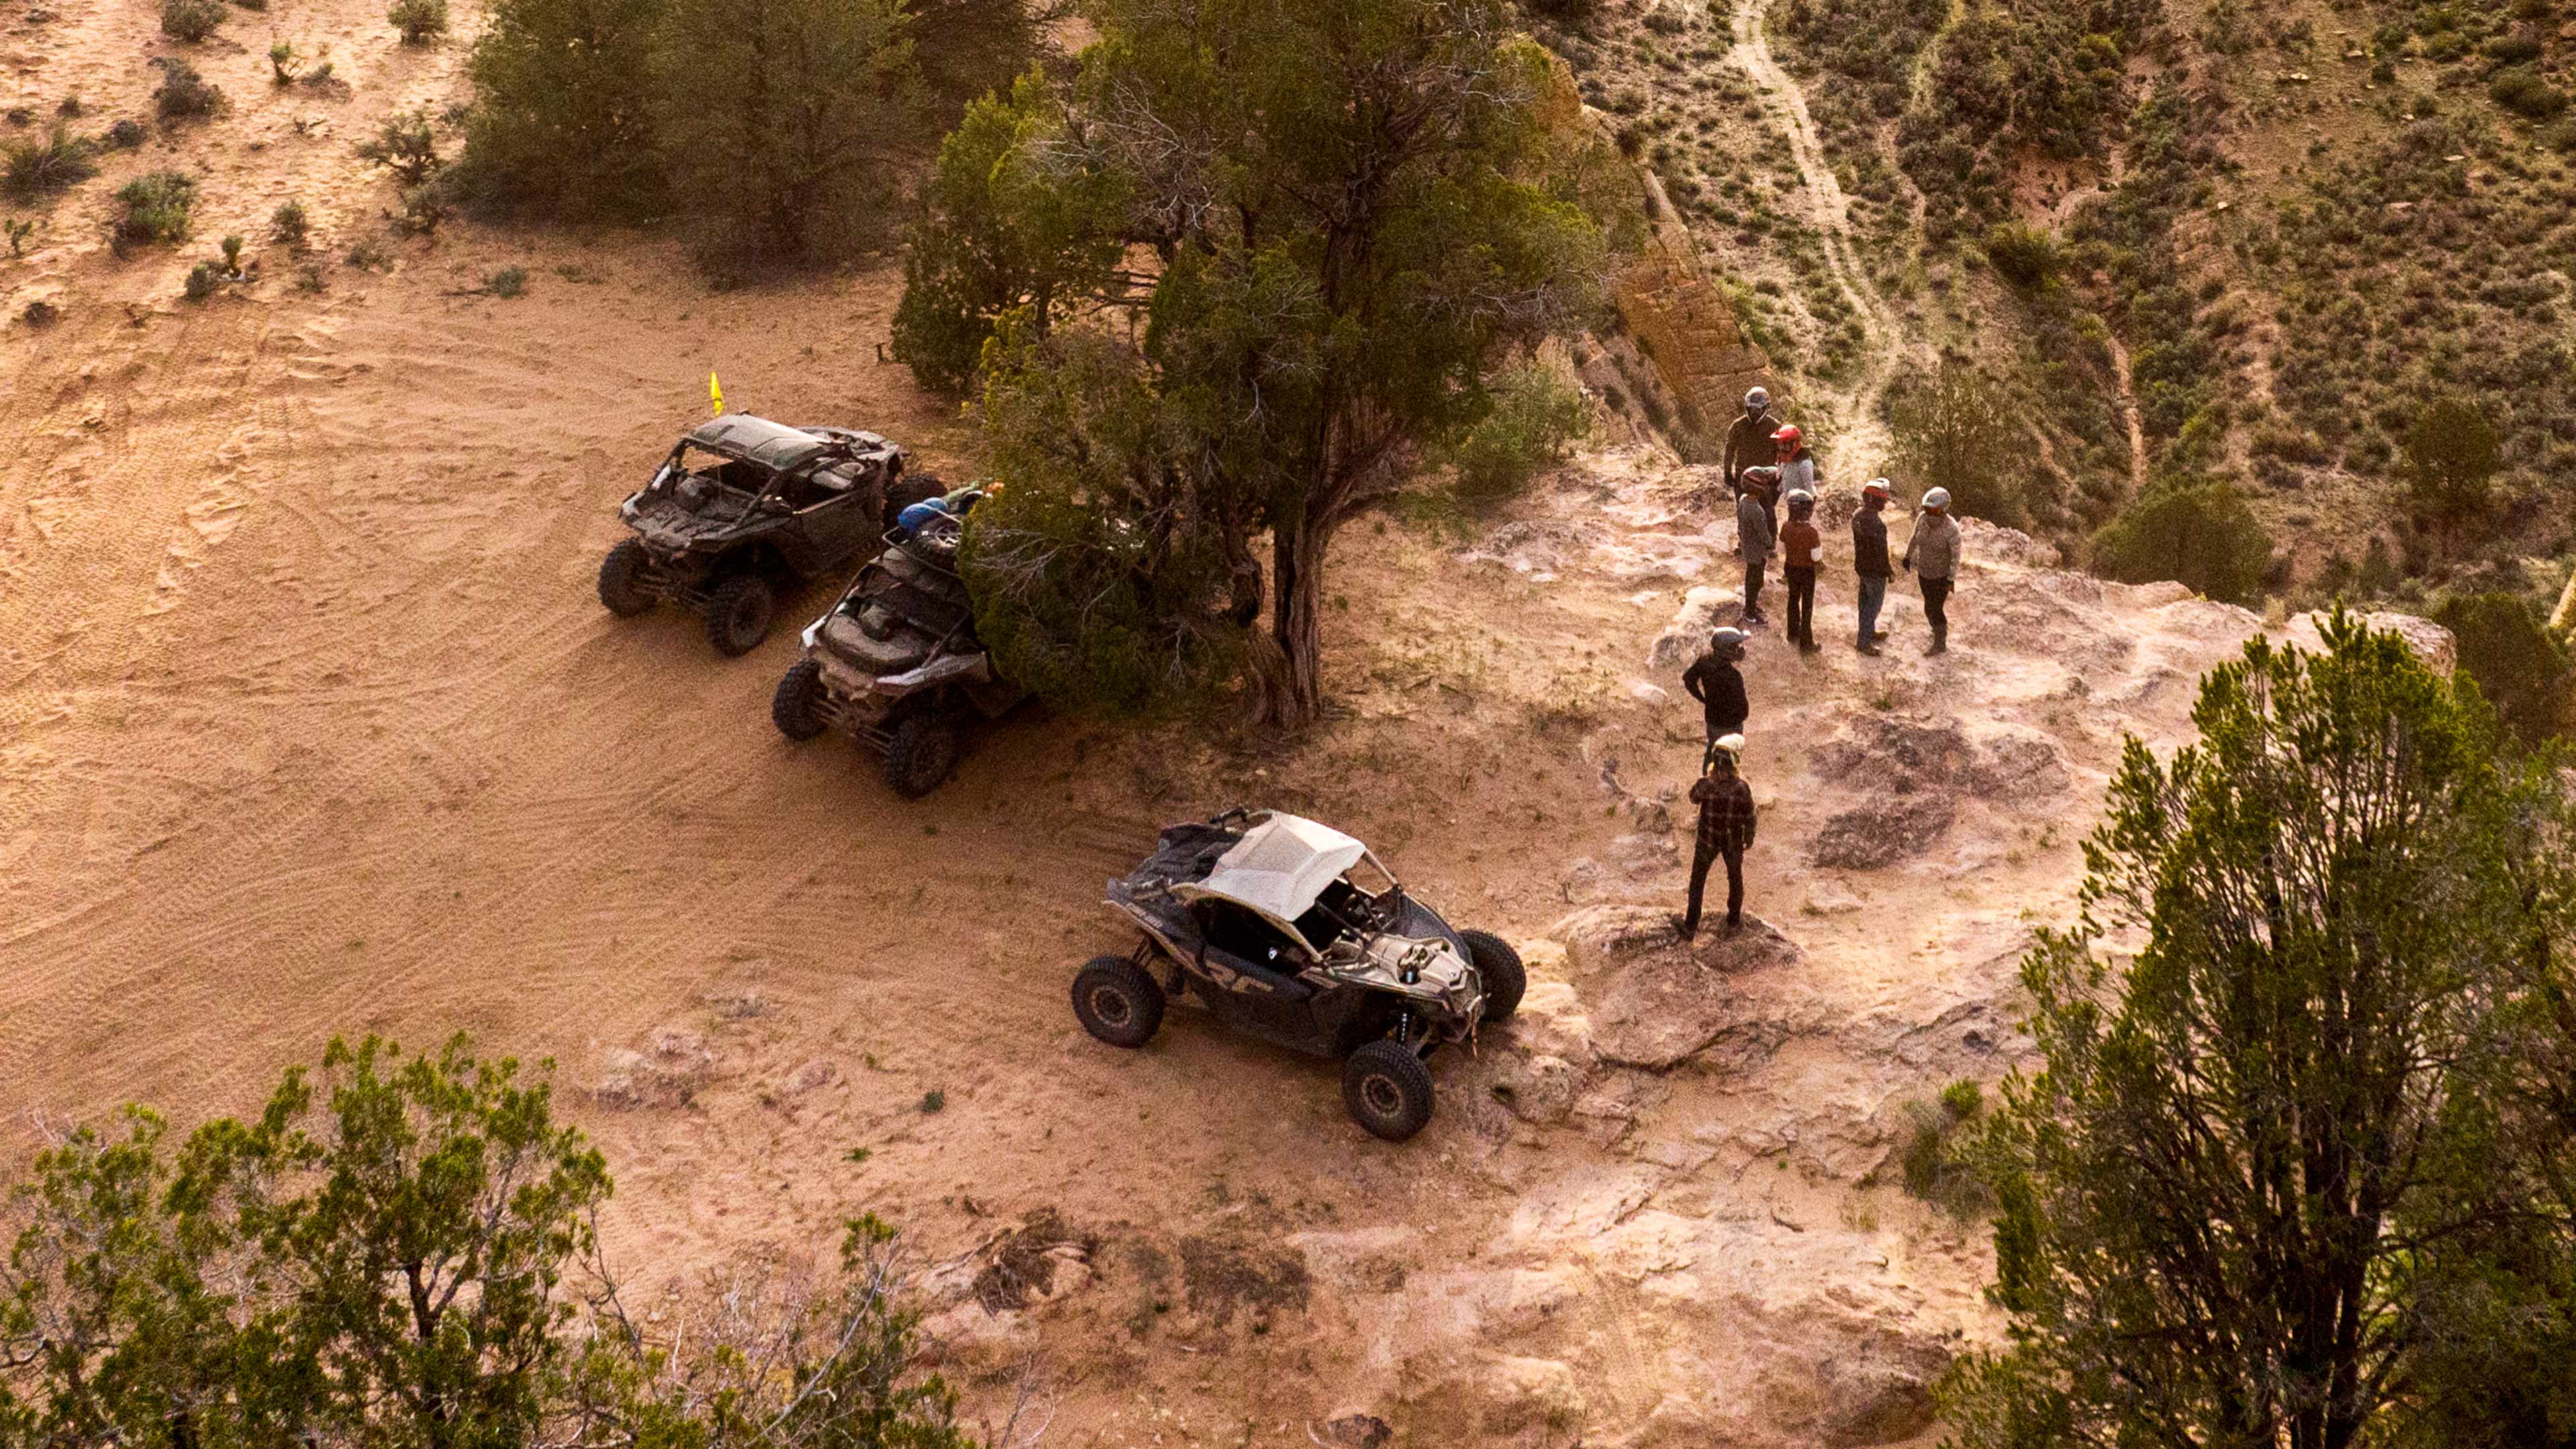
{"x": 895, "y": 664}
{"x": 744, "y": 510}
{"x": 1293, "y": 932}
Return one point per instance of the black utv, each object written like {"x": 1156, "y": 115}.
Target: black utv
{"x": 895, "y": 665}
{"x": 1291, "y": 931}
{"x": 745, "y": 510}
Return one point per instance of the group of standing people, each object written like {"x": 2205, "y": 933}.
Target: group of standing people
{"x": 1769, "y": 467}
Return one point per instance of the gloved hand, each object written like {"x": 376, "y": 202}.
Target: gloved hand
{"x": 1906, "y": 564}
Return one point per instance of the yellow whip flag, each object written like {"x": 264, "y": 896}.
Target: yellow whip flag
{"x": 715, "y": 393}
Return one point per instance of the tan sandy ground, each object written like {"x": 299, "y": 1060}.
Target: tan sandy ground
{"x": 310, "y": 723}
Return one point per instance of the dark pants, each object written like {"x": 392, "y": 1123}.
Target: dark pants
{"x": 1802, "y": 606}
{"x": 1703, "y": 855}
{"x": 1936, "y": 608}
{"x": 1873, "y": 593}
{"x": 1752, "y": 586}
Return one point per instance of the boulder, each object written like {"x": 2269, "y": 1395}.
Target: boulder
{"x": 1686, "y": 637}
{"x": 1662, "y": 1002}
{"x": 1937, "y": 751}
{"x": 2431, "y": 642}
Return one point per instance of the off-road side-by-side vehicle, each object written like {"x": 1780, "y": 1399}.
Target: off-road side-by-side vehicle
{"x": 1293, "y": 932}
{"x": 895, "y": 664}
{"x": 744, "y": 510}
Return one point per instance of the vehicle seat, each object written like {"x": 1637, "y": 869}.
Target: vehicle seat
{"x": 1242, "y": 941}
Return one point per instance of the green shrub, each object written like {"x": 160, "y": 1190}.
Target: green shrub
{"x": 557, "y": 129}
{"x": 40, "y": 168}
{"x": 203, "y": 278}
{"x": 191, "y": 20}
{"x": 290, "y": 225}
{"x": 156, "y": 208}
{"x": 183, "y": 94}
{"x": 419, "y": 20}
{"x": 125, "y": 135}
{"x": 20, "y": 229}
{"x": 1932, "y": 1163}
{"x": 2522, "y": 669}
{"x": 283, "y": 63}
{"x": 2022, "y": 255}
{"x": 2522, "y": 91}
{"x": 1538, "y": 414}
{"x": 406, "y": 146}
{"x": 2197, "y": 532}
{"x": 507, "y": 282}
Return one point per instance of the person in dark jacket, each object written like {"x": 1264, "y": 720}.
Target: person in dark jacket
{"x": 1869, "y": 559}
{"x": 1802, "y": 553}
{"x": 1718, "y": 685}
{"x": 1748, "y": 440}
{"x": 1725, "y": 833}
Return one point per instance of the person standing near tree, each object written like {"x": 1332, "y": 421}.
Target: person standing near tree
{"x": 1802, "y": 554}
{"x": 1725, "y": 832}
{"x": 1755, "y": 536}
{"x": 1748, "y": 439}
{"x": 1869, "y": 559}
{"x": 1932, "y": 556}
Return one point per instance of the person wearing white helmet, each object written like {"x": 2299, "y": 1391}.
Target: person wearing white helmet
{"x": 1932, "y": 556}
{"x": 1718, "y": 685}
{"x": 1725, "y": 832}
{"x": 1748, "y": 440}
{"x": 1869, "y": 559}
{"x": 1802, "y": 554}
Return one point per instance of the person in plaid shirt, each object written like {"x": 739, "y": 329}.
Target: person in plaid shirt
{"x": 1725, "y": 829}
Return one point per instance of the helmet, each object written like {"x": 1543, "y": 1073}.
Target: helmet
{"x": 1727, "y": 642}
{"x": 1877, "y": 488}
{"x": 1765, "y": 476}
{"x": 1788, "y": 434}
{"x": 1801, "y": 498}
{"x": 1725, "y": 747}
{"x": 1937, "y": 498}
{"x": 1757, "y": 399}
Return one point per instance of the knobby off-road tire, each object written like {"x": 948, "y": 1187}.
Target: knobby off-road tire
{"x": 797, "y": 706}
{"x": 921, "y": 750}
{"x": 739, "y": 614}
{"x": 1387, "y": 1089}
{"x": 1118, "y": 1001}
{"x": 1500, "y": 965}
{"x": 620, "y": 580}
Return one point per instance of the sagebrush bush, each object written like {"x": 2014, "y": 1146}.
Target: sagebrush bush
{"x": 2522, "y": 91}
{"x": 290, "y": 225}
{"x": 507, "y": 282}
{"x": 183, "y": 94}
{"x": 1538, "y": 414}
{"x": 156, "y": 207}
{"x": 1932, "y": 1164}
{"x": 420, "y": 21}
{"x": 203, "y": 278}
{"x": 2022, "y": 255}
{"x": 126, "y": 135}
{"x": 42, "y": 167}
{"x": 191, "y": 20}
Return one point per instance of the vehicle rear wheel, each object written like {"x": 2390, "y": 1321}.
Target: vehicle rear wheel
{"x": 1500, "y": 966}
{"x": 621, "y": 580}
{"x": 1118, "y": 1001}
{"x": 1388, "y": 1089}
{"x": 738, "y": 614}
{"x": 797, "y": 706}
{"x": 920, "y": 751}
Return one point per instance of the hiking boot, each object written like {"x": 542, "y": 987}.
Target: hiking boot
{"x": 1937, "y": 646}
{"x": 1868, "y": 651}
{"x": 1683, "y": 928}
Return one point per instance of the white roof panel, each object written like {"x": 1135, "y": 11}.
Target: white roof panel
{"x": 1279, "y": 866}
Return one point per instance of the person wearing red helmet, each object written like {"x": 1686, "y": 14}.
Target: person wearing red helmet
{"x": 1797, "y": 465}
{"x": 1869, "y": 559}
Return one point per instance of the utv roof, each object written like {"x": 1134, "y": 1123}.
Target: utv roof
{"x": 1279, "y": 866}
{"x": 758, "y": 440}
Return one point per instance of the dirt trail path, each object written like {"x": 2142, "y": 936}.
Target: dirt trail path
{"x": 1864, "y": 443}
{"x": 2130, "y": 417}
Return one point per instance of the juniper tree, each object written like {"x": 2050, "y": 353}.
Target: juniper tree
{"x": 2281, "y": 1171}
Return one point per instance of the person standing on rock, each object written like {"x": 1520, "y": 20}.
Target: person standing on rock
{"x": 1932, "y": 556}
{"x": 1725, "y": 833}
{"x": 1748, "y": 439}
{"x": 1802, "y": 553}
{"x": 1869, "y": 559}
{"x": 1718, "y": 685}
{"x": 1796, "y": 465}
{"x": 1755, "y": 536}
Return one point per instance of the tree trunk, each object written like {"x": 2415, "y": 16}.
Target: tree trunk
{"x": 1295, "y": 695}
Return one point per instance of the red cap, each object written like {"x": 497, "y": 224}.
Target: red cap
{"x": 1788, "y": 434}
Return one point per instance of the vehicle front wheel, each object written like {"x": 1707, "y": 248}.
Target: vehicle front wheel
{"x": 738, "y": 614}
{"x": 621, "y": 580}
{"x": 1500, "y": 966}
{"x": 1388, "y": 1089}
{"x": 920, "y": 751}
{"x": 1118, "y": 1001}
{"x": 797, "y": 707}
